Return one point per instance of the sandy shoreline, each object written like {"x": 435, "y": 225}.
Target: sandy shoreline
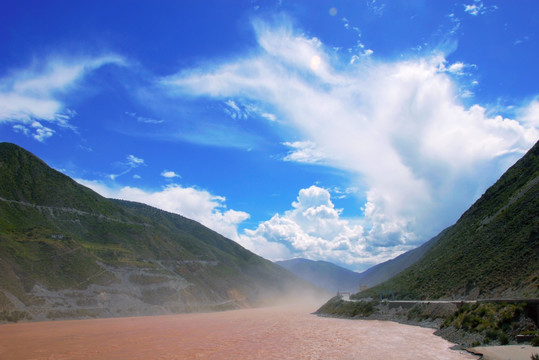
{"x": 513, "y": 352}
{"x": 281, "y": 333}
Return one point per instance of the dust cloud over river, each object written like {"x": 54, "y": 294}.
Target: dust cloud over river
{"x": 266, "y": 333}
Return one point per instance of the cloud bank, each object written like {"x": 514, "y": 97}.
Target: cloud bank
{"x": 399, "y": 128}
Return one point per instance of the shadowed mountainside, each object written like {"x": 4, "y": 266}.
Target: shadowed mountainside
{"x": 66, "y": 251}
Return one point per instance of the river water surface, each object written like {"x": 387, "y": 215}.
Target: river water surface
{"x": 266, "y": 333}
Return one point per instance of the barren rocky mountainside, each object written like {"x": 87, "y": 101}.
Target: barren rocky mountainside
{"x": 67, "y": 252}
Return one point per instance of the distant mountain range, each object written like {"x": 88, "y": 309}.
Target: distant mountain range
{"x": 336, "y": 278}
{"x": 491, "y": 252}
{"x": 324, "y": 274}
{"x": 386, "y": 270}
{"x": 67, "y": 252}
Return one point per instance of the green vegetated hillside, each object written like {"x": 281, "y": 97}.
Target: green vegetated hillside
{"x": 386, "y": 270}
{"x": 492, "y": 250}
{"x": 66, "y": 251}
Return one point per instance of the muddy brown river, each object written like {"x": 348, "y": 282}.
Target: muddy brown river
{"x": 267, "y": 333}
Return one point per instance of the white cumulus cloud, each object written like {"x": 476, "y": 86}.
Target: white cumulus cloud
{"x": 313, "y": 228}
{"x": 199, "y": 205}
{"x": 169, "y": 174}
{"x": 419, "y": 156}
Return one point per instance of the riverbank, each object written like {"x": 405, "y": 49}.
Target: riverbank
{"x": 513, "y": 352}
{"x": 469, "y": 325}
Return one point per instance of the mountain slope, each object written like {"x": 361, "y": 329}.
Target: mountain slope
{"x": 386, "y": 270}
{"x": 66, "y": 251}
{"x": 335, "y": 278}
{"x": 323, "y": 274}
{"x": 492, "y": 250}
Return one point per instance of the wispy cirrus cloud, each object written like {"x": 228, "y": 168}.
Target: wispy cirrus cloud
{"x": 305, "y": 152}
{"x": 478, "y": 8}
{"x": 396, "y": 126}
{"x": 143, "y": 119}
{"x": 131, "y": 162}
{"x": 34, "y": 95}
{"x": 376, "y": 7}
{"x": 35, "y": 129}
{"x": 241, "y": 111}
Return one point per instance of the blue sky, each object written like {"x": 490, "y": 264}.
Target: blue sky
{"x": 346, "y": 131}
